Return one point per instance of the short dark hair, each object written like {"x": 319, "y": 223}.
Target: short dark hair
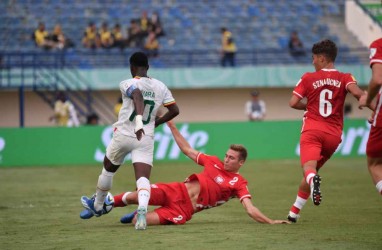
{"x": 255, "y": 93}
{"x": 327, "y": 48}
{"x": 241, "y": 149}
{"x": 139, "y": 59}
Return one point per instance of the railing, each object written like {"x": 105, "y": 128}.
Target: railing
{"x": 47, "y": 73}
{"x": 167, "y": 58}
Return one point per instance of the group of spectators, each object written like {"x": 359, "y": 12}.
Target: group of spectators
{"x": 54, "y": 40}
{"x": 142, "y": 33}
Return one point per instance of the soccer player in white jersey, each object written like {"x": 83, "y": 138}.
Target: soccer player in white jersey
{"x": 134, "y": 133}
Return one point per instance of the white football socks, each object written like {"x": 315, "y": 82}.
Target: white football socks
{"x": 309, "y": 177}
{"x": 144, "y": 189}
{"x": 105, "y": 181}
{"x": 379, "y": 186}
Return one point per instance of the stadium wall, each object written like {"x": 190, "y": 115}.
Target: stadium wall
{"x": 203, "y": 94}
{"x": 86, "y": 145}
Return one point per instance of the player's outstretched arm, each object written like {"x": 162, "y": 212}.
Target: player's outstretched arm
{"x": 182, "y": 142}
{"x": 356, "y": 91}
{"x": 257, "y": 215}
{"x": 296, "y": 103}
{"x": 173, "y": 110}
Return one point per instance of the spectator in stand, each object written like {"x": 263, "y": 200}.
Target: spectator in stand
{"x": 118, "y": 39}
{"x": 228, "y": 49}
{"x": 92, "y": 119}
{"x": 152, "y": 45}
{"x": 144, "y": 22}
{"x": 255, "y": 108}
{"x": 296, "y": 47}
{"x": 156, "y": 25}
{"x": 58, "y": 37}
{"x": 91, "y": 39}
{"x": 135, "y": 37}
{"x": 64, "y": 112}
{"x": 42, "y": 38}
{"x": 105, "y": 36}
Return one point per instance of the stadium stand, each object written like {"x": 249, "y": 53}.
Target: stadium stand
{"x": 260, "y": 28}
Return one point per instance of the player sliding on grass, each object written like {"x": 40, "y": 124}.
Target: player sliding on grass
{"x": 216, "y": 184}
{"x": 133, "y": 133}
{"x": 325, "y": 91}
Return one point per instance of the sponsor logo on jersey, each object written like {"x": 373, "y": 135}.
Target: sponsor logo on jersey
{"x": 216, "y": 166}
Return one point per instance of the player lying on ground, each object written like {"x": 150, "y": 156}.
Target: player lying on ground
{"x": 216, "y": 184}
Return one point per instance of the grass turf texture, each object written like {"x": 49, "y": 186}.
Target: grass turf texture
{"x": 39, "y": 209}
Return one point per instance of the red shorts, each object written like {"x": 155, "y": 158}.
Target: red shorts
{"x": 318, "y": 146}
{"x": 176, "y": 206}
{"x": 374, "y": 144}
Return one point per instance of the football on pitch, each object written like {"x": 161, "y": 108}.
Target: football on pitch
{"x": 108, "y": 204}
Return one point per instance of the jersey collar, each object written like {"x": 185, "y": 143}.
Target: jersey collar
{"x": 329, "y": 69}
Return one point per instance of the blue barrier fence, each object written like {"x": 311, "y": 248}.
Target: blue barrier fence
{"x": 167, "y": 58}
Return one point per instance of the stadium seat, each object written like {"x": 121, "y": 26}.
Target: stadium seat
{"x": 193, "y": 25}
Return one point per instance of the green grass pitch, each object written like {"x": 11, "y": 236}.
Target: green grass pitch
{"x": 39, "y": 209}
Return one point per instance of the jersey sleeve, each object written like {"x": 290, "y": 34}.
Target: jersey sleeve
{"x": 168, "y": 98}
{"x": 349, "y": 79}
{"x": 376, "y": 52}
{"x": 242, "y": 191}
{"x": 300, "y": 89}
{"x": 127, "y": 87}
{"x": 203, "y": 159}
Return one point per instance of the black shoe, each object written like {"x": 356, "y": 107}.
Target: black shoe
{"x": 315, "y": 190}
{"x": 292, "y": 217}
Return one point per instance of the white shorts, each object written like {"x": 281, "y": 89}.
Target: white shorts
{"x": 121, "y": 145}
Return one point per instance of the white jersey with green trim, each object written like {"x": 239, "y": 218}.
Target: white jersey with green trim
{"x": 155, "y": 93}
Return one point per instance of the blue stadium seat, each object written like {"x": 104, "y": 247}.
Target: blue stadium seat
{"x": 193, "y": 25}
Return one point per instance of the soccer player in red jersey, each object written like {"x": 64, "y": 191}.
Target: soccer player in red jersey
{"x": 374, "y": 144}
{"x": 216, "y": 184}
{"x": 325, "y": 91}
